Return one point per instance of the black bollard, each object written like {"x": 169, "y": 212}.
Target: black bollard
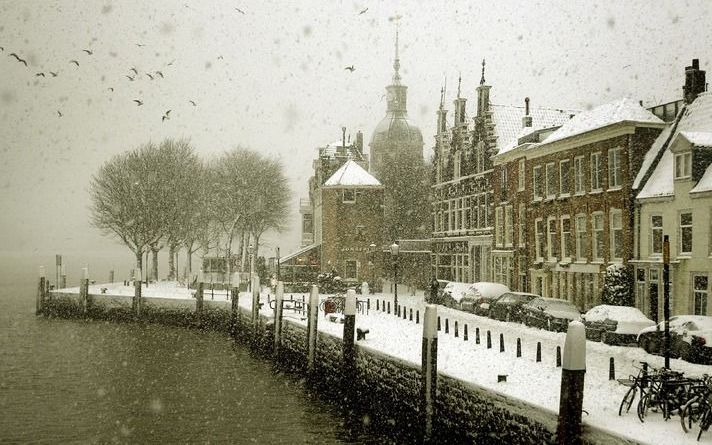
{"x": 464, "y": 333}
{"x": 447, "y": 326}
{"x": 429, "y": 371}
{"x": 558, "y": 356}
{"x": 417, "y": 316}
{"x": 438, "y": 322}
{"x": 501, "y": 342}
{"x": 368, "y": 305}
{"x": 477, "y": 336}
{"x": 568, "y": 428}
{"x": 348, "y": 351}
{"x": 538, "y": 351}
{"x": 389, "y": 308}
{"x": 611, "y": 369}
{"x": 519, "y": 347}
{"x": 398, "y": 310}
{"x": 489, "y": 340}
{"x": 405, "y": 313}
{"x": 456, "y": 333}
{"x": 378, "y": 305}
{"x": 410, "y": 314}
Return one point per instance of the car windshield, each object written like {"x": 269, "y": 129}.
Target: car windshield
{"x": 563, "y": 306}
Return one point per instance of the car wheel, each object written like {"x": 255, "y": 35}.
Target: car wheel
{"x": 644, "y": 344}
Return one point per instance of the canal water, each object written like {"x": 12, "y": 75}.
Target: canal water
{"x": 94, "y": 382}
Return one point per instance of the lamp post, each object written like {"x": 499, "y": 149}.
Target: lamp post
{"x": 372, "y": 263}
{"x": 278, "y": 276}
{"x": 252, "y": 266}
{"x": 394, "y": 254}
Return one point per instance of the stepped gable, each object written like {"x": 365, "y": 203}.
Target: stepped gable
{"x": 352, "y": 175}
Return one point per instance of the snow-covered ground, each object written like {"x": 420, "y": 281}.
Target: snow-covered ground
{"x": 536, "y": 383}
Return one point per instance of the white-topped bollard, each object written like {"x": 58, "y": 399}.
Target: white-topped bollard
{"x": 429, "y": 372}
{"x": 568, "y": 430}
{"x": 312, "y": 317}
{"x": 348, "y": 376}
{"x": 279, "y": 301}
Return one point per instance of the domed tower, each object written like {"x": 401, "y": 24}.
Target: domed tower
{"x": 395, "y": 137}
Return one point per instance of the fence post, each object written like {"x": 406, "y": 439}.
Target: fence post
{"x": 558, "y": 356}
{"x": 279, "y": 298}
{"x": 312, "y": 312}
{"x": 501, "y": 342}
{"x": 519, "y": 347}
{"x": 447, "y": 326}
{"x": 429, "y": 364}
{"x": 348, "y": 382}
{"x": 378, "y": 305}
{"x": 439, "y": 323}
{"x": 389, "y": 308}
{"x": 538, "y": 351}
{"x": 489, "y": 340}
{"x": 477, "y": 336}
{"x": 464, "y": 333}
{"x": 40, "y": 292}
{"x": 417, "y": 316}
{"x": 568, "y": 430}
{"x": 410, "y": 314}
{"x": 84, "y": 290}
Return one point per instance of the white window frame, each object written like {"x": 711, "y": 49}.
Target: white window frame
{"x": 549, "y": 187}
{"x": 615, "y": 170}
{"x": 680, "y": 232}
{"x": 537, "y": 183}
{"x": 521, "y": 225}
{"x": 596, "y": 185}
{"x": 683, "y": 165}
{"x": 616, "y": 215}
{"x": 539, "y": 239}
{"x": 551, "y": 241}
{"x": 654, "y": 233}
{"x": 581, "y": 237}
{"x": 597, "y": 254}
{"x": 566, "y": 241}
{"x": 508, "y": 226}
{"x": 579, "y": 176}
{"x": 703, "y": 294}
{"x": 348, "y": 201}
{"x": 499, "y": 225}
{"x": 565, "y": 166}
{"x": 521, "y": 175}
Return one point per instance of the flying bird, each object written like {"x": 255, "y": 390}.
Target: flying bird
{"x": 18, "y": 58}
{"x": 88, "y": 51}
{"x": 166, "y": 116}
{"x": 171, "y": 62}
{"x": 149, "y": 76}
{"x": 220, "y": 57}
{"x": 138, "y": 102}
{"x": 111, "y": 89}
{"x": 2, "y": 49}
{"x": 53, "y": 74}
{"x": 350, "y": 68}
{"x": 158, "y": 73}
{"x": 240, "y": 11}
{"x": 131, "y": 78}
{"x": 363, "y": 12}
{"x": 193, "y": 103}
{"x": 140, "y": 45}
{"x": 74, "y": 62}
{"x": 59, "y": 113}
{"x": 134, "y": 70}
{"x": 40, "y": 75}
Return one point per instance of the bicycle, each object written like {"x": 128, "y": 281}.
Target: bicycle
{"x": 668, "y": 392}
{"x": 636, "y": 383}
{"x": 692, "y": 411}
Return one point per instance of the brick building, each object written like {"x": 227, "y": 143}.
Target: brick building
{"x": 574, "y": 189}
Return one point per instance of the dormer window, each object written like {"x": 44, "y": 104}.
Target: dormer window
{"x": 683, "y": 165}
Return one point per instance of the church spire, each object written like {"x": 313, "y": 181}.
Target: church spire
{"x": 482, "y": 79}
{"x": 459, "y": 83}
{"x": 396, "y": 61}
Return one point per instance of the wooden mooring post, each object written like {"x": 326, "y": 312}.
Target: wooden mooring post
{"x": 84, "y": 290}
{"x": 278, "y": 308}
{"x": 568, "y": 429}
{"x": 348, "y": 350}
{"x": 312, "y": 317}
{"x": 429, "y": 371}
{"x": 255, "y": 286}
{"x": 40, "y": 292}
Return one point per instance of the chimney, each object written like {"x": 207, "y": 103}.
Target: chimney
{"x": 359, "y": 141}
{"x": 342, "y": 150}
{"x": 694, "y": 81}
{"x": 527, "y": 119}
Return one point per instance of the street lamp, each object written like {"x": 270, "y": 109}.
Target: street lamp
{"x": 252, "y": 266}
{"x": 278, "y": 264}
{"x": 394, "y": 254}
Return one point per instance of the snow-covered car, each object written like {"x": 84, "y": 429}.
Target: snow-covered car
{"x": 453, "y": 293}
{"x": 615, "y": 325}
{"x": 478, "y": 296}
{"x": 553, "y": 314}
{"x": 508, "y": 307}
{"x": 690, "y": 338}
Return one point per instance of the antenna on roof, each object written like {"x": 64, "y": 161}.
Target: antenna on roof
{"x": 459, "y": 82}
{"x": 482, "y": 79}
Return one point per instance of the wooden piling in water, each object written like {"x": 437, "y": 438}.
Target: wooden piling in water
{"x": 312, "y": 317}
{"x": 429, "y": 370}
{"x": 40, "y": 292}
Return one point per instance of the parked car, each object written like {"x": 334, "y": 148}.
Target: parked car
{"x": 453, "y": 293}
{"x": 690, "y": 338}
{"x": 441, "y": 289}
{"x": 479, "y": 295}
{"x": 615, "y": 325}
{"x": 508, "y": 307}
{"x": 553, "y": 314}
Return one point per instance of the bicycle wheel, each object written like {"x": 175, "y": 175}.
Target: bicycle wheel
{"x": 705, "y": 421}
{"x": 627, "y": 400}
{"x": 643, "y": 405}
{"x": 690, "y": 413}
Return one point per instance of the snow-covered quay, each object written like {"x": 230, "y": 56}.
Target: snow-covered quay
{"x": 531, "y": 385}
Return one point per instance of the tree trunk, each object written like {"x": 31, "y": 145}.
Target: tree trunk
{"x": 154, "y": 265}
{"x": 172, "y": 275}
{"x": 189, "y": 261}
{"x": 135, "y": 303}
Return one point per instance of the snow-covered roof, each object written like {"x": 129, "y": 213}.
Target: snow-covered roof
{"x": 299, "y": 252}
{"x": 351, "y": 174}
{"x": 621, "y": 110}
{"x": 695, "y": 124}
{"x": 508, "y": 122}
{"x": 705, "y": 182}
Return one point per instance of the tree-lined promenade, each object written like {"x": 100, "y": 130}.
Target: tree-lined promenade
{"x": 164, "y": 195}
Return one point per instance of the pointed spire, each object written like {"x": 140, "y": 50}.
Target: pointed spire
{"x": 442, "y": 94}
{"x": 396, "y": 61}
{"x": 482, "y": 79}
{"x": 459, "y": 83}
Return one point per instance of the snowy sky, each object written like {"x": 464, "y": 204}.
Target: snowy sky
{"x": 273, "y": 79}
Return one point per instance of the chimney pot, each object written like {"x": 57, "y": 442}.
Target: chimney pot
{"x": 696, "y": 63}
{"x": 526, "y": 106}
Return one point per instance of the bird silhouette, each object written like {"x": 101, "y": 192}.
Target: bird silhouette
{"x": 74, "y": 62}
{"x": 158, "y": 73}
{"x": 171, "y": 62}
{"x": 149, "y": 76}
{"x": 59, "y": 113}
{"x": 88, "y": 51}
{"x": 240, "y": 11}
{"x": 140, "y": 45}
{"x": 350, "y": 68}
{"x": 131, "y": 78}
{"x": 53, "y": 74}
{"x": 111, "y": 89}
{"x": 40, "y": 75}
{"x": 138, "y": 102}
{"x": 193, "y": 103}
{"x": 363, "y": 11}
{"x": 220, "y": 57}
{"x": 134, "y": 70}
{"x": 166, "y": 116}
{"x": 2, "y": 49}
{"x": 18, "y": 58}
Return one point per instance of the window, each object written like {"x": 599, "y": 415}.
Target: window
{"x": 700, "y": 291}
{"x": 614, "y": 168}
{"x": 465, "y": 209}
{"x": 307, "y": 223}
{"x": 537, "y": 182}
{"x": 540, "y": 241}
{"x": 499, "y": 229}
{"x": 686, "y": 233}
{"x": 566, "y": 239}
{"x": 456, "y": 213}
{"x": 683, "y": 165}
{"x": 521, "y": 225}
{"x": 616, "y": 234}
{"x": 504, "y": 183}
{"x": 595, "y": 171}
{"x": 579, "y": 186}
{"x": 508, "y": 226}
{"x": 656, "y": 235}
{"x": 456, "y": 165}
{"x": 564, "y": 173}
{"x": 349, "y": 195}
{"x": 597, "y": 227}
{"x": 581, "y": 238}
{"x": 351, "y": 269}
{"x": 360, "y": 232}
{"x": 550, "y": 180}
{"x": 552, "y": 240}
{"x": 520, "y": 175}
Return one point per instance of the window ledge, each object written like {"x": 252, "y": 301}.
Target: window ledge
{"x": 684, "y": 256}
{"x": 537, "y": 199}
{"x": 595, "y": 192}
{"x": 597, "y": 261}
{"x": 579, "y": 193}
{"x": 564, "y": 196}
{"x": 550, "y": 198}
{"x": 615, "y": 189}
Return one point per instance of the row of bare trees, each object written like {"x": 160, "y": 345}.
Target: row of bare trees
{"x": 164, "y": 195}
